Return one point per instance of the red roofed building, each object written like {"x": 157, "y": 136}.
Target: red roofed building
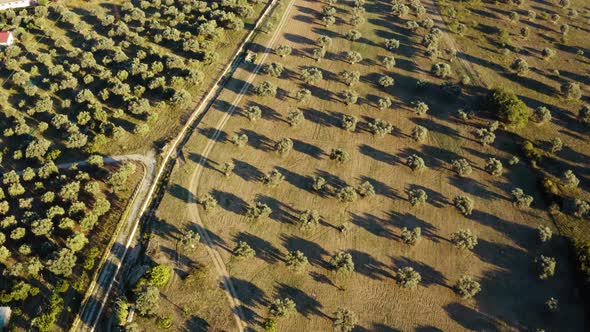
{"x": 6, "y": 38}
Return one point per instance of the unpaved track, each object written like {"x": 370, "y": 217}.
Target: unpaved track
{"x": 222, "y": 272}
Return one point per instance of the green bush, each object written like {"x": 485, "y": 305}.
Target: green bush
{"x": 159, "y": 275}
{"x": 509, "y": 107}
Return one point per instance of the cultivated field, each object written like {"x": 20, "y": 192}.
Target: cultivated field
{"x": 512, "y": 295}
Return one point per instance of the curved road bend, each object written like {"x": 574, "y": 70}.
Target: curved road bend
{"x": 94, "y": 306}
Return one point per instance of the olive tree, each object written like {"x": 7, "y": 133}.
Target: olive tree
{"x": 273, "y": 178}
{"x": 342, "y": 263}
{"x": 284, "y": 145}
{"x": 349, "y": 122}
{"x": 282, "y": 307}
{"x": 411, "y": 236}
{"x": 545, "y": 233}
{"x": 571, "y": 91}
{"x": 416, "y": 163}
{"x": 463, "y": 239}
{"x": 521, "y": 200}
{"x": 493, "y": 166}
{"x": 339, "y": 155}
{"x": 419, "y": 133}
{"x": 258, "y": 212}
{"x": 380, "y": 128}
{"x": 467, "y": 287}
{"x": 407, "y": 277}
{"x": 345, "y": 320}
{"x": 296, "y": 261}
{"x": 464, "y": 204}
{"x": 546, "y": 266}
{"x": 417, "y": 196}
{"x": 461, "y": 167}
{"x": 283, "y": 50}
{"x": 244, "y": 250}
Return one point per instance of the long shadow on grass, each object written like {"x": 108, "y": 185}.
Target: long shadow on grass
{"x": 306, "y": 305}
{"x": 196, "y": 324}
{"x": 501, "y": 255}
{"x": 296, "y": 180}
{"x": 374, "y": 225}
{"x": 258, "y": 141}
{"x": 381, "y": 188}
{"x": 247, "y": 171}
{"x": 181, "y": 193}
{"x": 370, "y": 267}
{"x": 522, "y": 235}
{"x": 401, "y": 220}
{"x": 280, "y": 211}
{"x": 264, "y": 249}
{"x": 430, "y": 276}
{"x": 229, "y": 201}
{"x": 313, "y": 251}
{"x": 206, "y": 162}
{"x": 251, "y": 296}
{"x": 308, "y": 149}
{"x": 379, "y": 155}
{"x": 435, "y": 198}
{"x": 470, "y": 319}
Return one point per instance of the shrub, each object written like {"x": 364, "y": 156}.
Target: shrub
{"x": 239, "y": 140}
{"x": 464, "y": 204}
{"x": 521, "y": 200}
{"x": 520, "y": 66}
{"x": 464, "y": 239}
{"x": 461, "y": 167}
{"x": 353, "y": 35}
{"x": 466, "y": 287}
{"x": 350, "y": 97}
{"x": 349, "y": 77}
{"x": 318, "y": 183}
{"x": 266, "y": 89}
{"x": 546, "y": 266}
{"x": 545, "y": 233}
{"x": 311, "y": 75}
{"x": 415, "y": 163}
{"x": 339, "y": 155}
{"x": 309, "y": 219}
{"x": 391, "y": 44}
{"x": 258, "y": 211}
{"x": 411, "y": 237}
{"x": 349, "y": 122}
{"x": 419, "y": 133}
{"x": 366, "y": 189}
{"x": 407, "y": 277}
{"x": 353, "y": 57}
{"x": 541, "y": 115}
{"x": 284, "y": 145}
{"x": 584, "y": 114}
{"x": 442, "y": 70}
{"x": 417, "y": 196}
{"x": 552, "y": 304}
{"x": 345, "y": 320}
{"x": 273, "y": 69}
{"x": 244, "y": 250}
{"x": 494, "y": 166}
{"x": 273, "y": 178}
{"x": 556, "y": 145}
{"x": 509, "y": 107}
{"x": 380, "y": 128}
{"x": 569, "y": 180}
{"x": 420, "y": 108}
{"x": 158, "y": 275}
{"x": 571, "y": 91}
{"x": 485, "y": 136}
{"x": 295, "y": 118}
{"x": 342, "y": 263}
{"x": 302, "y": 95}
{"x": 347, "y": 194}
{"x": 296, "y": 261}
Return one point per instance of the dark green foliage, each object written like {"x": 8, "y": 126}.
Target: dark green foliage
{"x": 509, "y": 107}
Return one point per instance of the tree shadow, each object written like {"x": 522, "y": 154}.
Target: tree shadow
{"x": 381, "y": 188}
{"x": 379, "y": 155}
{"x": 368, "y": 266}
{"x": 374, "y": 225}
{"x": 264, "y": 249}
{"x": 308, "y": 149}
{"x": 280, "y": 211}
{"x": 410, "y": 221}
{"x": 430, "y": 276}
{"x": 206, "y": 162}
{"x": 434, "y": 198}
{"x": 470, "y": 319}
{"x": 258, "y": 141}
{"x": 313, "y": 251}
{"x": 196, "y": 324}
{"x": 306, "y": 305}
{"x": 246, "y": 171}
{"x": 181, "y": 193}
{"x": 229, "y": 201}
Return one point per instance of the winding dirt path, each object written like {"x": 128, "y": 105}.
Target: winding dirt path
{"x": 220, "y": 267}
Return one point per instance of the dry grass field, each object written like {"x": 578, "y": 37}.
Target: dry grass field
{"x": 512, "y": 296}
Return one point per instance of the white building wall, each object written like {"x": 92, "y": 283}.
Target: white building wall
{"x": 16, "y": 4}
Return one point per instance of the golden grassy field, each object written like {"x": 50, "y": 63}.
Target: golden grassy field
{"x": 512, "y": 296}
